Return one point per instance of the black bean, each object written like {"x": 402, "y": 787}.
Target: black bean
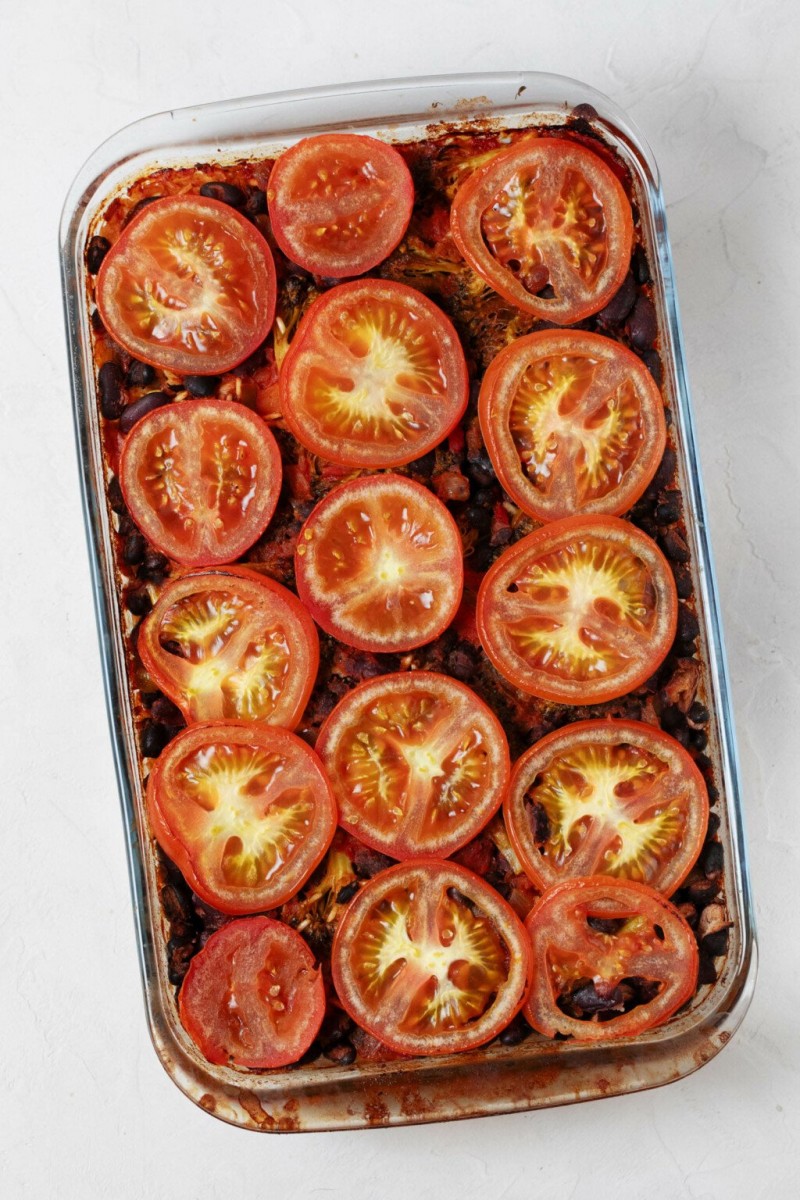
{"x": 712, "y": 860}
{"x": 166, "y": 712}
{"x": 674, "y": 546}
{"x": 155, "y": 567}
{"x": 138, "y": 208}
{"x": 345, "y": 894}
{"x": 683, "y": 580}
{"x": 703, "y": 762}
{"x": 139, "y": 374}
{"x": 201, "y": 385}
{"x": 666, "y": 470}
{"x": 668, "y": 509}
{"x": 652, "y": 361}
{"x": 671, "y": 718}
{"x": 707, "y": 972}
{"x": 256, "y": 202}
{"x": 178, "y": 959}
{"x": 608, "y": 925}
{"x": 688, "y": 626}
{"x": 713, "y": 794}
{"x": 96, "y": 251}
{"x": 478, "y": 517}
{"x": 713, "y": 824}
{"x": 140, "y": 408}
{"x": 226, "y": 193}
{"x": 155, "y": 737}
{"x": 175, "y": 903}
{"x": 642, "y": 325}
{"x": 110, "y": 385}
{"x": 716, "y": 944}
{"x": 515, "y": 1033}
{"x": 620, "y": 303}
{"x": 343, "y": 1053}
{"x": 698, "y": 714}
{"x": 481, "y": 472}
{"x": 584, "y": 112}
{"x": 701, "y": 891}
{"x": 587, "y": 999}
{"x": 133, "y": 549}
{"x": 699, "y": 739}
{"x": 115, "y": 497}
{"x": 138, "y": 602}
{"x": 639, "y": 266}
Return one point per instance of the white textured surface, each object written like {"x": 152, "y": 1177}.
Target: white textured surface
{"x": 85, "y": 1109}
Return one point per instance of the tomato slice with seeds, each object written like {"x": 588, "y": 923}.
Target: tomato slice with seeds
{"x": 379, "y": 564}
{"x": 573, "y": 422}
{"x": 430, "y": 959}
{"x": 607, "y": 798}
{"x": 253, "y": 996}
{"x": 547, "y": 224}
{"x": 188, "y": 286}
{"x": 244, "y": 810}
{"x": 231, "y": 644}
{"x": 201, "y": 479}
{"x": 417, "y": 761}
{"x": 579, "y": 611}
{"x": 375, "y": 376}
{"x": 611, "y": 959}
{"x": 339, "y": 203}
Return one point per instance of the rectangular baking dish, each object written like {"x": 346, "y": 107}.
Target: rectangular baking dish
{"x": 496, "y": 1079}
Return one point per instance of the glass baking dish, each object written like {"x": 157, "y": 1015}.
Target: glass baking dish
{"x": 498, "y": 1078}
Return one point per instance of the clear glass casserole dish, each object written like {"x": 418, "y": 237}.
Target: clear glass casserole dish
{"x": 498, "y": 1078}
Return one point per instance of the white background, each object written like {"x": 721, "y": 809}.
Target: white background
{"x": 85, "y": 1109}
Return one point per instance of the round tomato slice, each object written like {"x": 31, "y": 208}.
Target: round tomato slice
{"x": 573, "y": 423}
{"x": 244, "y": 810}
{"x": 379, "y": 564}
{"x": 607, "y": 798}
{"x": 430, "y": 959}
{"x": 548, "y": 226}
{"x": 417, "y": 762}
{"x": 375, "y": 376}
{"x": 611, "y": 959}
{"x": 189, "y": 286}
{"x": 231, "y": 644}
{"x": 339, "y": 203}
{"x": 201, "y": 479}
{"x": 580, "y": 611}
{"x": 253, "y": 996}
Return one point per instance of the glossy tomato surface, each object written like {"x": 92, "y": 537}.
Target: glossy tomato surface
{"x": 607, "y": 798}
{"x": 253, "y": 997}
{"x": 188, "y": 286}
{"x": 611, "y": 959}
{"x": 430, "y": 959}
{"x": 547, "y": 224}
{"x": 244, "y": 810}
{"x": 201, "y": 479}
{"x": 231, "y": 643}
{"x": 418, "y": 763}
{"x": 339, "y": 203}
{"x": 573, "y": 422}
{"x": 375, "y": 375}
{"x": 580, "y": 611}
{"x": 379, "y": 564}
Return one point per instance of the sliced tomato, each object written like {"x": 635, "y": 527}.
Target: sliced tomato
{"x": 201, "y": 479}
{"x": 244, "y": 810}
{"x": 607, "y": 798}
{"x": 580, "y": 611}
{"x": 375, "y": 375}
{"x": 189, "y": 286}
{"x": 339, "y": 203}
{"x": 573, "y": 423}
{"x": 547, "y": 224}
{"x": 379, "y": 564}
{"x": 253, "y": 996}
{"x": 417, "y": 762}
{"x": 231, "y": 644}
{"x": 430, "y": 959}
{"x": 611, "y": 959}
